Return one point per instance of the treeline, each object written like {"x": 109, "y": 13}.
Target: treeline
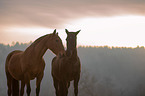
{"x": 106, "y": 71}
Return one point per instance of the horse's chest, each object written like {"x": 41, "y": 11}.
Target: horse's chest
{"x": 70, "y": 76}
{"x": 34, "y": 71}
{"x": 71, "y": 72}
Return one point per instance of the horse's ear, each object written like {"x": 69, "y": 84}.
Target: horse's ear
{"x": 66, "y": 31}
{"x": 54, "y": 32}
{"x": 78, "y": 32}
{"x": 57, "y": 33}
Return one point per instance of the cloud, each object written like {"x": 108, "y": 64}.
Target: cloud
{"x": 56, "y": 13}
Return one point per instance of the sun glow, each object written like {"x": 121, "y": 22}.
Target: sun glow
{"x": 121, "y": 31}
{"x": 127, "y": 31}
{"x": 30, "y": 31}
{"x": 23, "y": 34}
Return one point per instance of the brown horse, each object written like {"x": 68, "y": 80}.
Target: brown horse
{"x": 67, "y": 68}
{"x": 29, "y": 64}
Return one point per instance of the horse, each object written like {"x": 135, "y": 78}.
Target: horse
{"x": 66, "y": 68}
{"x": 29, "y": 64}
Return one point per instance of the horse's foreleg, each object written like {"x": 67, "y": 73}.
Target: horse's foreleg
{"x": 63, "y": 88}
{"x": 38, "y": 82}
{"x": 56, "y": 86}
{"x": 76, "y": 81}
{"x": 68, "y": 84}
{"x": 28, "y": 89}
{"x": 22, "y": 88}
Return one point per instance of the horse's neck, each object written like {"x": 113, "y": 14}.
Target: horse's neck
{"x": 72, "y": 53}
{"x": 36, "y": 51}
{"x": 40, "y": 50}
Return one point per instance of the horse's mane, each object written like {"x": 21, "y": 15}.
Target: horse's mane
{"x": 39, "y": 39}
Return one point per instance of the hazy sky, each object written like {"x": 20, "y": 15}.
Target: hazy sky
{"x": 102, "y": 22}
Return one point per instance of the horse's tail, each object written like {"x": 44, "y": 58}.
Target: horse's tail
{"x": 13, "y": 85}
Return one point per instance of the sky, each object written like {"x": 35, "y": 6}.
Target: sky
{"x": 102, "y": 22}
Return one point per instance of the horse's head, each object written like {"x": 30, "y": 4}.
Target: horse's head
{"x": 55, "y": 44}
{"x": 71, "y": 39}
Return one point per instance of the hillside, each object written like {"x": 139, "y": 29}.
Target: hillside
{"x": 105, "y": 71}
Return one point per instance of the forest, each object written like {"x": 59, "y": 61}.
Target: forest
{"x": 106, "y": 71}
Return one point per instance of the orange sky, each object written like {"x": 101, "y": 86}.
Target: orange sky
{"x": 109, "y": 22}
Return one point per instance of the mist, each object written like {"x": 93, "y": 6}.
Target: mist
{"x": 106, "y": 71}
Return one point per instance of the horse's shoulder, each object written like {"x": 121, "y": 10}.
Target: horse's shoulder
{"x": 54, "y": 59}
{"x": 78, "y": 59}
{"x": 43, "y": 62}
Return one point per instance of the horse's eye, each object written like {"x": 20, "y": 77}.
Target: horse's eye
{"x": 57, "y": 40}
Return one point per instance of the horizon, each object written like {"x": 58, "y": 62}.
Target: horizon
{"x": 117, "y": 23}
{"x": 78, "y": 46}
